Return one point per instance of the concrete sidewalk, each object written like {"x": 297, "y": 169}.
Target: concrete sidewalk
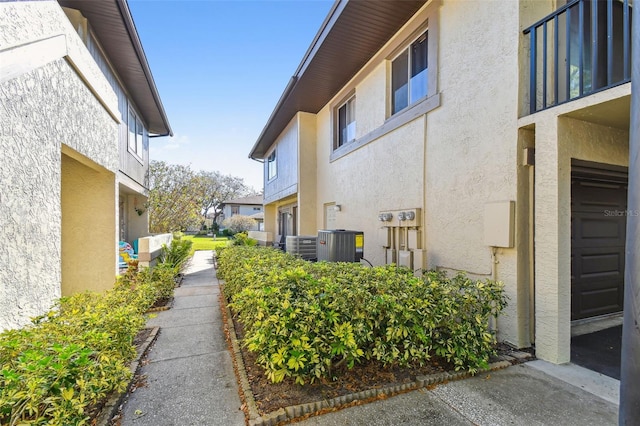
{"x": 190, "y": 381}
{"x": 519, "y": 395}
{"x": 189, "y": 377}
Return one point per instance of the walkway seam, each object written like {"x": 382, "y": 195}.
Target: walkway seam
{"x": 186, "y": 356}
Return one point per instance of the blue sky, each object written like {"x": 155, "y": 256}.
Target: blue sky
{"x": 220, "y": 68}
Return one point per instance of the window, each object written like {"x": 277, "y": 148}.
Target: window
{"x": 257, "y": 209}
{"x": 346, "y": 122}
{"x": 409, "y": 72}
{"x": 136, "y": 132}
{"x": 272, "y": 165}
{"x": 235, "y": 210}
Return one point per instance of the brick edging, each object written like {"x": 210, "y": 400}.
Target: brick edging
{"x": 245, "y": 388}
{"x": 287, "y": 414}
{"x": 166, "y": 307}
{"x": 114, "y": 402}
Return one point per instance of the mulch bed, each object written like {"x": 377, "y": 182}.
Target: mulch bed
{"x": 367, "y": 375}
{"x": 161, "y": 305}
{"x": 270, "y": 397}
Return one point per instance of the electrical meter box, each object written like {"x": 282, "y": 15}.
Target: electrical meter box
{"x": 340, "y": 245}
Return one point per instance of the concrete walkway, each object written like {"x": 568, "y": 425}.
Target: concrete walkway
{"x": 519, "y": 395}
{"x": 190, "y": 381}
{"x": 190, "y": 378}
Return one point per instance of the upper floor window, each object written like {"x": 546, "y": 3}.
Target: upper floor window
{"x": 346, "y": 122}
{"x": 235, "y": 210}
{"x": 272, "y": 165}
{"x": 409, "y": 72}
{"x": 136, "y": 131}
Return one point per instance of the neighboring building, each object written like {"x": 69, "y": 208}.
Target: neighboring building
{"x": 246, "y": 206}
{"x": 433, "y": 109}
{"x": 79, "y": 106}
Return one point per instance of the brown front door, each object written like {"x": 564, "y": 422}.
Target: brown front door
{"x": 598, "y": 230}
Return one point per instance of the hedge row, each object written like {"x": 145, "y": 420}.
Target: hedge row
{"x": 56, "y": 370}
{"x": 305, "y": 319}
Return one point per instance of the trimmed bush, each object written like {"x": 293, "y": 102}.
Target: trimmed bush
{"x": 305, "y": 319}
{"x": 56, "y": 370}
{"x": 242, "y": 239}
{"x": 176, "y": 254}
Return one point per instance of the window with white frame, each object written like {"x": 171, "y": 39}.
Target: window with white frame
{"x": 346, "y": 119}
{"x": 409, "y": 74}
{"x": 272, "y": 166}
{"x": 136, "y": 132}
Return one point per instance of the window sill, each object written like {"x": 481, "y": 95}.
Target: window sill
{"x": 392, "y": 123}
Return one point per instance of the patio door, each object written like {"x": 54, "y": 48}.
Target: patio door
{"x": 287, "y": 220}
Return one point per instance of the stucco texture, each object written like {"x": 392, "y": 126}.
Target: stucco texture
{"x": 464, "y": 152}
{"x": 558, "y": 140}
{"x": 41, "y": 111}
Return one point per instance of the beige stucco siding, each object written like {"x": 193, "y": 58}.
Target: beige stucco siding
{"x": 307, "y": 224}
{"x": 370, "y": 101}
{"x": 461, "y": 148}
{"x": 60, "y": 103}
{"x": 558, "y": 140}
{"x": 450, "y": 162}
{"x": 88, "y": 197}
{"x": 385, "y": 174}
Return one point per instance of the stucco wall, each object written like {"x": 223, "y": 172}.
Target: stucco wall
{"x": 307, "y": 223}
{"x": 558, "y": 140}
{"x": 450, "y": 162}
{"x": 137, "y": 224}
{"x": 88, "y": 196}
{"x": 44, "y": 105}
{"x": 472, "y": 143}
{"x": 385, "y": 174}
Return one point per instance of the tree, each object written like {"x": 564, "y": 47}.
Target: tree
{"x": 239, "y": 223}
{"x": 174, "y": 197}
{"x": 216, "y": 189}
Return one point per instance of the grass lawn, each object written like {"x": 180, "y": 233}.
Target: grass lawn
{"x": 203, "y": 242}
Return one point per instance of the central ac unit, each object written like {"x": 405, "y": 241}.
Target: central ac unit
{"x": 340, "y": 245}
{"x": 303, "y": 246}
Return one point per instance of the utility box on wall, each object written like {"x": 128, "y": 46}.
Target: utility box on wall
{"x": 499, "y": 218}
{"x": 340, "y": 245}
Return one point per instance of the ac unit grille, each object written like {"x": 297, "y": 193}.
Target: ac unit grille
{"x": 339, "y": 245}
{"x": 303, "y": 246}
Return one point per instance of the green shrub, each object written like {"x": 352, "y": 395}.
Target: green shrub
{"x": 176, "y": 254}
{"x": 55, "y": 370}
{"x": 242, "y": 239}
{"x": 304, "y": 320}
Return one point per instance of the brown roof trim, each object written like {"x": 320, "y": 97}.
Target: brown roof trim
{"x": 352, "y": 32}
{"x": 112, "y": 22}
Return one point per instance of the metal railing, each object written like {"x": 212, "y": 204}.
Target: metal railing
{"x": 581, "y": 48}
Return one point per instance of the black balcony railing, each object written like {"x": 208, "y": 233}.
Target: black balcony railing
{"x": 581, "y": 48}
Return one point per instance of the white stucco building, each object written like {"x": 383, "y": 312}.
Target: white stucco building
{"x": 79, "y": 105}
{"x": 250, "y": 206}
